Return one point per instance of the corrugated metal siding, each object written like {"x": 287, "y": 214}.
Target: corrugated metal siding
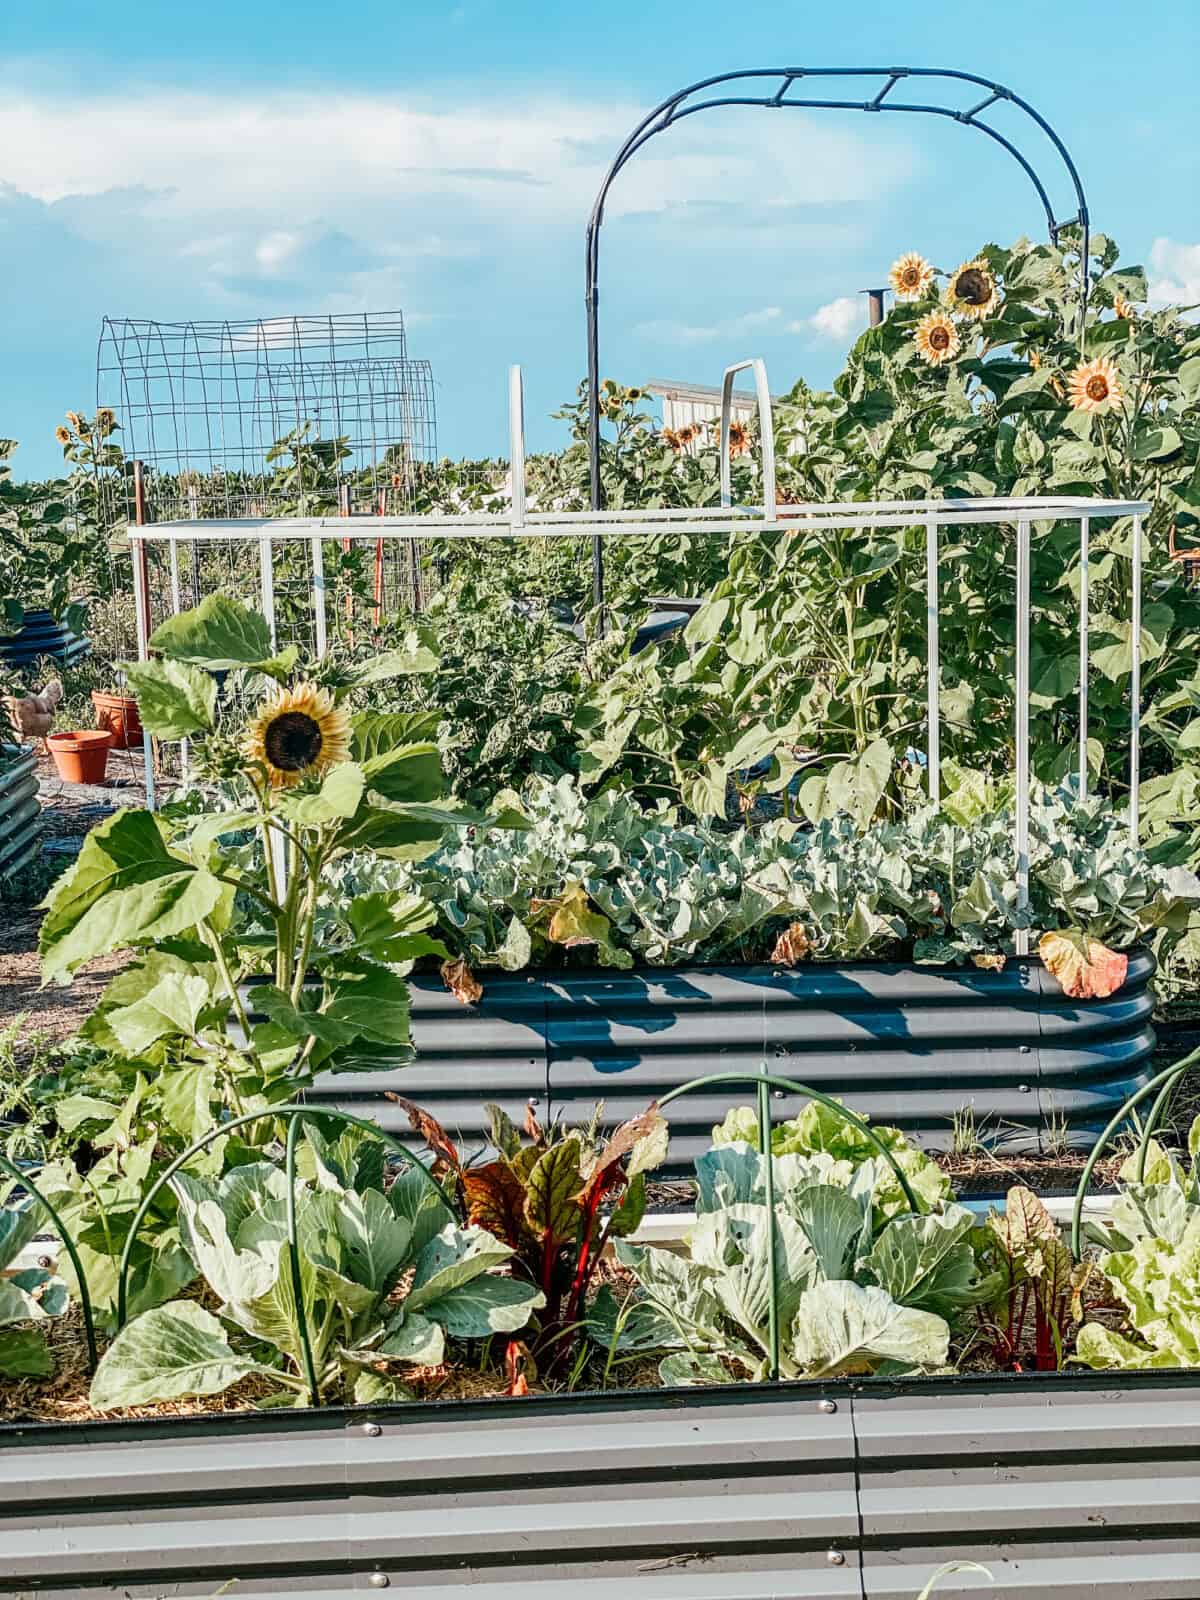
{"x": 20, "y": 809}
{"x": 1064, "y": 1486}
{"x": 40, "y": 635}
{"x": 909, "y": 1046}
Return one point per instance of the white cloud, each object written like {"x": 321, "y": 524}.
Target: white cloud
{"x": 839, "y": 319}
{"x": 1177, "y": 269}
{"x": 274, "y": 250}
{"x": 664, "y": 331}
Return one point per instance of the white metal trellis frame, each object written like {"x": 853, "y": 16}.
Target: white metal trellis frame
{"x": 729, "y": 520}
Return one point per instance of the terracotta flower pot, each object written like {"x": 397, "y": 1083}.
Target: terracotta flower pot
{"x": 81, "y": 756}
{"x": 119, "y": 714}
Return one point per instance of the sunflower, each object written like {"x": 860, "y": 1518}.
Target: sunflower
{"x": 63, "y": 435}
{"x": 1035, "y": 360}
{"x": 74, "y": 420}
{"x": 106, "y": 420}
{"x": 937, "y": 339}
{"x": 1123, "y": 308}
{"x": 910, "y": 276}
{"x": 670, "y": 437}
{"x": 299, "y": 732}
{"x": 972, "y": 290}
{"x": 1096, "y": 386}
{"x": 739, "y": 438}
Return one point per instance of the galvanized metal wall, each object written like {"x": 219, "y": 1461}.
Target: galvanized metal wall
{"x": 1064, "y": 1486}
{"x": 20, "y": 809}
{"x": 40, "y": 635}
{"x": 906, "y": 1045}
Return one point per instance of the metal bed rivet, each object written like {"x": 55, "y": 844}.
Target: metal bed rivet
{"x": 535, "y": 1100}
{"x": 778, "y": 1093}
{"x": 828, "y": 1406}
{"x": 835, "y": 1558}
{"x": 379, "y": 1580}
{"x": 1024, "y": 1049}
{"x": 1022, "y": 1088}
{"x": 372, "y": 1429}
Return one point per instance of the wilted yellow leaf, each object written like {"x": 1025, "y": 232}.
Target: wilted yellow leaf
{"x": 793, "y": 945}
{"x": 462, "y": 982}
{"x": 1086, "y": 969}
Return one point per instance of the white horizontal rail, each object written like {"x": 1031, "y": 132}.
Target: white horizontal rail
{"x": 587, "y": 524}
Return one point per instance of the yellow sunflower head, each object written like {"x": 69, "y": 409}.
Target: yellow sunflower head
{"x": 106, "y": 420}
{"x": 972, "y": 290}
{"x": 1035, "y": 360}
{"x": 937, "y": 339}
{"x": 73, "y": 419}
{"x": 300, "y": 733}
{"x": 63, "y": 435}
{"x": 1123, "y": 307}
{"x": 910, "y": 276}
{"x": 1096, "y": 386}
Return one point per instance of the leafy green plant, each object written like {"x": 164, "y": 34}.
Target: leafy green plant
{"x": 28, "y": 1296}
{"x": 607, "y": 880}
{"x": 1041, "y": 1284}
{"x": 1151, "y": 1265}
{"x": 554, "y": 1197}
{"x": 357, "y": 1240}
{"x": 859, "y": 1287}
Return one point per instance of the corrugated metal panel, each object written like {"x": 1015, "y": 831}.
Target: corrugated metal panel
{"x": 910, "y": 1046}
{"x": 599, "y": 1488}
{"x": 40, "y": 635}
{"x": 1063, "y": 1485}
{"x": 20, "y": 808}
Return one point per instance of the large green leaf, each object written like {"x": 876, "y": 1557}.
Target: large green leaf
{"x": 175, "y": 699}
{"x": 18, "y": 1225}
{"x": 551, "y": 1208}
{"x": 454, "y": 1257}
{"x": 339, "y": 796}
{"x": 734, "y": 1245}
{"x": 221, "y": 634}
{"x": 170, "y": 1353}
{"x": 172, "y": 1006}
{"x": 843, "y": 1327}
{"x": 488, "y": 1304}
{"x": 24, "y": 1353}
{"x": 126, "y": 888}
{"x": 929, "y": 1262}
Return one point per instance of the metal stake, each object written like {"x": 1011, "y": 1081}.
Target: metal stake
{"x": 1084, "y": 541}
{"x": 1022, "y": 730}
{"x": 1135, "y": 685}
{"x": 933, "y": 664}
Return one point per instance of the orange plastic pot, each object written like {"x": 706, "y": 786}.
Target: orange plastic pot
{"x": 82, "y": 756}
{"x": 119, "y": 714}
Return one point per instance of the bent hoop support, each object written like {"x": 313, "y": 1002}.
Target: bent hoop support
{"x": 687, "y": 102}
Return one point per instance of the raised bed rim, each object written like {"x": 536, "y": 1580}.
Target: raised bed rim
{"x": 797, "y": 1391}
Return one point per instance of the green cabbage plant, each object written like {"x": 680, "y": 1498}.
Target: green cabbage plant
{"x": 861, "y": 1287}
{"x": 359, "y": 1239}
{"x": 28, "y": 1296}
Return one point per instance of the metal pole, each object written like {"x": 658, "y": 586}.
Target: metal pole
{"x": 1135, "y": 685}
{"x": 933, "y": 663}
{"x": 173, "y": 557}
{"x": 320, "y": 618}
{"x": 875, "y": 308}
{"x": 141, "y": 606}
{"x": 266, "y": 569}
{"x": 1084, "y": 545}
{"x": 1022, "y": 730}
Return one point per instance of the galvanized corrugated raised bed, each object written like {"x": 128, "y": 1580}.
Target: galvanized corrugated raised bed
{"x": 41, "y": 635}
{"x": 1065, "y": 1486}
{"x": 906, "y": 1045}
{"x": 20, "y": 808}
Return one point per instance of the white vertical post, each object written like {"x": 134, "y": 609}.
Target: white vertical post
{"x": 173, "y": 560}
{"x": 141, "y": 610}
{"x": 1022, "y": 730}
{"x": 516, "y": 445}
{"x": 318, "y": 589}
{"x": 1135, "y": 685}
{"x": 1084, "y": 541}
{"x": 933, "y": 662}
{"x": 766, "y": 430}
{"x": 266, "y": 567}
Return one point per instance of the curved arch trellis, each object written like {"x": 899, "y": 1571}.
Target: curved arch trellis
{"x": 687, "y": 102}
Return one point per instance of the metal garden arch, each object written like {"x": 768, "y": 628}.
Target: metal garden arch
{"x": 687, "y": 102}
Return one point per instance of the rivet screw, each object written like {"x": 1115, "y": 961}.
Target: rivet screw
{"x": 372, "y": 1430}
{"x": 835, "y": 1558}
{"x": 379, "y": 1580}
{"x": 828, "y": 1406}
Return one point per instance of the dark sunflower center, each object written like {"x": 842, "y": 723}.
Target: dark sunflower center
{"x": 1097, "y": 388}
{"x": 910, "y": 277}
{"x": 973, "y": 287}
{"x": 939, "y": 339}
{"x": 292, "y": 741}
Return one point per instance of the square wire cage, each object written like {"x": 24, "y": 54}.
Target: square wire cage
{"x": 271, "y": 417}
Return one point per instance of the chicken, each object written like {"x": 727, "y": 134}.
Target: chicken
{"x": 32, "y": 716}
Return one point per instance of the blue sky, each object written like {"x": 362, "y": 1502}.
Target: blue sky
{"x": 262, "y": 158}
